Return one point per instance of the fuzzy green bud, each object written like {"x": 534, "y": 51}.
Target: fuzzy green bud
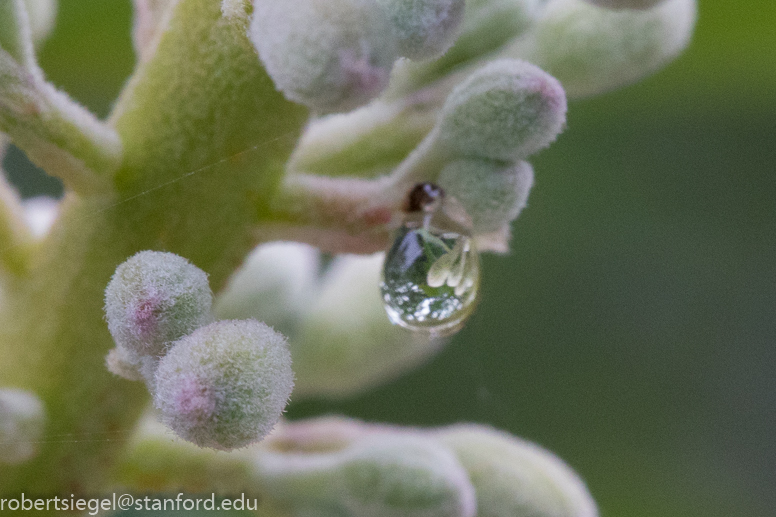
{"x": 22, "y": 419}
{"x": 514, "y": 477}
{"x": 155, "y": 298}
{"x": 225, "y": 385}
{"x": 593, "y": 50}
{"x": 131, "y": 366}
{"x": 42, "y": 15}
{"x": 331, "y": 56}
{"x": 492, "y": 193}
{"x": 424, "y": 28}
{"x": 383, "y": 475}
{"x": 345, "y": 342}
{"x": 275, "y": 284}
{"x": 625, "y": 4}
{"x": 487, "y": 26}
{"x": 507, "y": 110}
{"x": 40, "y": 213}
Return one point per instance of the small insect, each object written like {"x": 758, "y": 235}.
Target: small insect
{"x": 425, "y": 197}
{"x": 432, "y": 270}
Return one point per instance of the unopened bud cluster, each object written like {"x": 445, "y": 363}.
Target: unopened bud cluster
{"x": 338, "y": 55}
{"x": 491, "y": 122}
{"x": 357, "y": 469}
{"x": 457, "y": 95}
{"x": 218, "y": 384}
{"x": 492, "y": 99}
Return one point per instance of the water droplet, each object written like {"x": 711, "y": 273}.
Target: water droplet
{"x": 431, "y": 278}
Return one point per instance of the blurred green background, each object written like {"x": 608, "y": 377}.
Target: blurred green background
{"x": 632, "y": 330}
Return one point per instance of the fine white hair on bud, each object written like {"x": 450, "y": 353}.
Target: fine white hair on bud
{"x": 225, "y": 385}
{"x": 424, "y": 28}
{"x": 514, "y": 477}
{"x": 492, "y": 193}
{"x": 625, "y": 4}
{"x": 155, "y": 298}
{"x": 330, "y": 56}
{"x": 381, "y": 475}
{"x": 593, "y": 50}
{"x": 22, "y": 421}
{"x": 506, "y": 111}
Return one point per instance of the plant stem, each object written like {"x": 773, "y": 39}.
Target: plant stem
{"x": 205, "y": 135}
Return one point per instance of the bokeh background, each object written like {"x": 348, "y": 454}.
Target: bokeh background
{"x": 632, "y": 329}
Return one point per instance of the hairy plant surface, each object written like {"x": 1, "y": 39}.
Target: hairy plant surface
{"x": 348, "y": 127}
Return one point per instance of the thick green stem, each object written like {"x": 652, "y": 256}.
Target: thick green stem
{"x": 205, "y": 135}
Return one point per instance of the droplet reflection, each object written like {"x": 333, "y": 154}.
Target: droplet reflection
{"x": 430, "y": 278}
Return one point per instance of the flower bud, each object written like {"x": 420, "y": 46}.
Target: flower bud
{"x": 346, "y": 343}
{"x": 507, "y": 110}
{"x": 625, "y": 4}
{"x": 275, "y": 284}
{"x": 40, "y": 213}
{"x": 131, "y": 366}
{"x": 225, "y": 385}
{"x": 492, "y": 193}
{"x": 487, "y": 26}
{"x": 22, "y": 420}
{"x": 331, "y": 56}
{"x": 424, "y": 28}
{"x": 513, "y": 477}
{"x": 382, "y": 475}
{"x": 593, "y": 50}
{"x": 42, "y": 14}
{"x": 155, "y": 298}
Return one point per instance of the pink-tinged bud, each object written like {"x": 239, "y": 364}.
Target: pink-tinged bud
{"x": 330, "y": 56}
{"x": 507, "y": 110}
{"x": 225, "y": 385}
{"x": 155, "y": 298}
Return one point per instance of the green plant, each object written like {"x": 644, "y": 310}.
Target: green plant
{"x": 203, "y": 106}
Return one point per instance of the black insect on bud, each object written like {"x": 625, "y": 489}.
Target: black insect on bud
{"x": 424, "y": 197}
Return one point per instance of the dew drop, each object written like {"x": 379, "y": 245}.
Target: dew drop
{"x": 431, "y": 278}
